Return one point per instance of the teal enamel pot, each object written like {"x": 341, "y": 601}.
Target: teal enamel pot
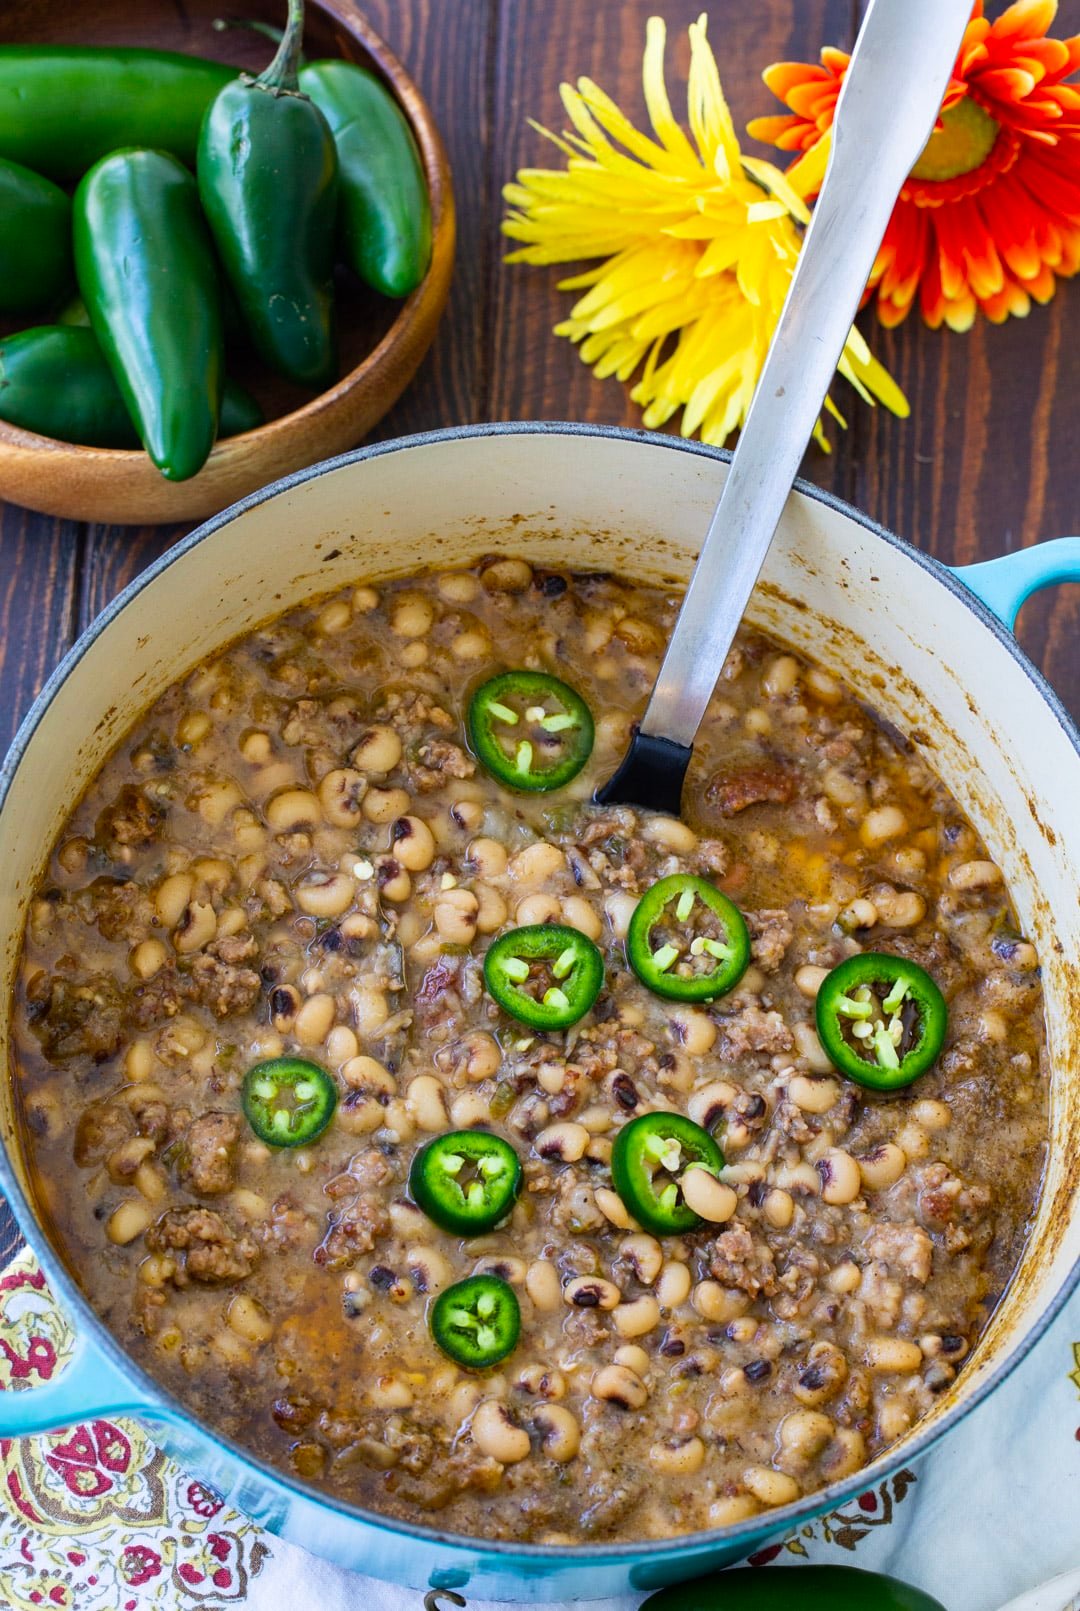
{"x": 930, "y": 647}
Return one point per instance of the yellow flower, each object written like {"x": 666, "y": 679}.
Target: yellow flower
{"x": 698, "y": 245}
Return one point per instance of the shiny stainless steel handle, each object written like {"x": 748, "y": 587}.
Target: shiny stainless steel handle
{"x": 890, "y": 100}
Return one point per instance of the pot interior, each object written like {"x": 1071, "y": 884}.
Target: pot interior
{"x": 867, "y": 608}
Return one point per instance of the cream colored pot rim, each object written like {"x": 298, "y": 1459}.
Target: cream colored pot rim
{"x": 158, "y": 1402}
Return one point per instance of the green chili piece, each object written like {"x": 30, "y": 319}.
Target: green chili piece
{"x": 648, "y": 1158}
{"x": 687, "y": 941}
{"x": 532, "y": 732}
{"x": 476, "y": 1322}
{"x": 268, "y": 182}
{"x": 545, "y": 975}
{"x": 881, "y": 1020}
{"x": 288, "y": 1101}
{"x": 466, "y": 1181}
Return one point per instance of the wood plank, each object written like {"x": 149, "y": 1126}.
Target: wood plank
{"x": 532, "y": 374}
{"x": 40, "y": 560}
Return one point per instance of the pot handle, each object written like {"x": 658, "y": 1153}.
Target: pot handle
{"x": 1003, "y": 584}
{"x": 89, "y": 1386}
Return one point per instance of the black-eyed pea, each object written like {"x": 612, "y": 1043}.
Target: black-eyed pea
{"x": 673, "y": 1284}
{"x": 932, "y": 1114}
{"x": 467, "y": 813}
{"x": 637, "y": 1317}
{"x": 315, "y": 1019}
{"x": 613, "y": 1208}
{"x": 428, "y": 1270}
{"x": 326, "y": 894}
{"x": 128, "y": 1221}
{"x": 412, "y": 843}
{"x": 411, "y": 615}
{"x": 580, "y": 914}
{"x": 560, "y": 1435}
{"x": 471, "y": 643}
{"x": 844, "y": 1455}
{"x": 634, "y": 1357}
{"x": 770, "y": 1487}
{"x": 455, "y": 916}
{"x": 148, "y": 958}
{"x": 490, "y": 909}
{"x": 591, "y": 1292}
{"x": 537, "y": 863}
{"x": 732, "y": 1508}
{"x": 196, "y": 928}
{"x": 497, "y": 1434}
{"x": 778, "y": 1207}
{"x": 543, "y": 1285}
{"x": 293, "y": 811}
{"x": 619, "y": 1385}
{"x": 719, "y": 1304}
{"x": 972, "y": 875}
{"x": 841, "y": 1181}
{"x": 458, "y": 587}
{"x": 809, "y": 979}
{"x": 368, "y": 1075}
{"x": 487, "y": 858}
{"x": 538, "y": 908}
{"x": 802, "y": 1179}
{"x": 216, "y": 800}
{"x": 802, "y": 1435}
{"x": 426, "y": 1102}
{"x": 478, "y": 1056}
{"x": 390, "y": 1392}
{"x": 644, "y": 1255}
{"x": 900, "y": 909}
{"x": 507, "y": 576}
{"x": 394, "y": 880}
{"x": 844, "y": 1278}
{"x": 780, "y": 677}
{"x": 413, "y": 654}
{"x": 694, "y": 1030}
{"x": 334, "y": 617}
{"x": 708, "y": 1106}
{"x": 249, "y": 1319}
{"x": 383, "y": 805}
{"x": 882, "y": 1166}
{"x": 620, "y": 908}
{"x": 892, "y": 1356}
{"x": 893, "y": 1420}
{"x": 914, "y": 1140}
{"x": 670, "y": 834}
{"x": 810, "y": 1048}
{"x": 377, "y": 751}
{"x": 171, "y": 898}
{"x": 822, "y": 1376}
{"x": 463, "y": 1401}
{"x": 681, "y": 1458}
{"x": 882, "y": 824}
{"x": 708, "y": 1197}
{"x": 470, "y": 1109}
{"x": 542, "y": 1382}
{"x": 341, "y": 1046}
{"x": 150, "y": 1183}
{"x": 359, "y": 1115}
{"x": 565, "y": 1142}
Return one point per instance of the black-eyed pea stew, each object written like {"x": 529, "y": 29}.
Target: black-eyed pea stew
{"x": 377, "y": 1128}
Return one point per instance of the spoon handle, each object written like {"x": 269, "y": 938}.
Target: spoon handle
{"x": 888, "y": 105}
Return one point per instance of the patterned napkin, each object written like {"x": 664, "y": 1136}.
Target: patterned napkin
{"x": 96, "y": 1518}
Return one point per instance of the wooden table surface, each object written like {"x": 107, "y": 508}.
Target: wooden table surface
{"x": 988, "y": 461}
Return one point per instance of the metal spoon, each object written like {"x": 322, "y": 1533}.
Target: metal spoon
{"x": 886, "y": 112}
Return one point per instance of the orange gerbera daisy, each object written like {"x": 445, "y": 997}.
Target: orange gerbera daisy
{"x": 990, "y": 215}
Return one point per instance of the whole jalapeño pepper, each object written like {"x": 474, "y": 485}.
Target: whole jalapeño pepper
{"x": 63, "y": 107}
{"x": 268, "y": 181}
{"x": 385, "y": 210}
{"x": 35, "y": 240}
{"x": 147, "y": 274}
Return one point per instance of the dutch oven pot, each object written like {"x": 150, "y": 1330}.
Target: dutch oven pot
{"x": 907, "y": 634}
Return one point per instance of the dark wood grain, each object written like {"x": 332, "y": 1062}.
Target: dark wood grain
{"x": 986, "y": 463}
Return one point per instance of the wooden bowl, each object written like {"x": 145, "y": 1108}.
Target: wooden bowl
{"x": 381, "y": 343}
